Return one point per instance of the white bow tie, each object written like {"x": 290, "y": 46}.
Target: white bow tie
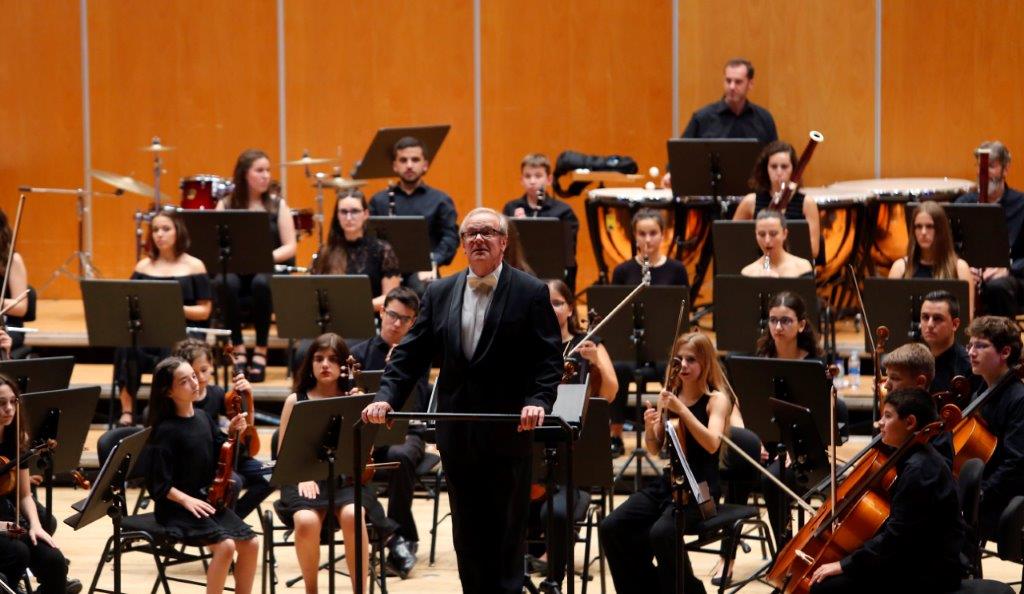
{"x": 478, "y": 283}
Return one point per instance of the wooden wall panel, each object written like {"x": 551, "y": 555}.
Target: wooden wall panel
{"x": 353, "y": 67}
{"x": 941, "y": 99}
{"x": 814, "y": 65}
{"x": 201, "y": 75}
{"x": 591, "y": 76}
{"x": 41, "y": 127}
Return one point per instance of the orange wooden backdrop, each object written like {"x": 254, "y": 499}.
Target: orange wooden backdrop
{"x": 593, "y": 76}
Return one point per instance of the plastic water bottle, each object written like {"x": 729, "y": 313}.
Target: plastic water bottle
{"x": 853, "y": 367}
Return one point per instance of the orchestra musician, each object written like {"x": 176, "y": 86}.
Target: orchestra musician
{"x": 320, "y": 376}
{"x": 918, "y": 546}
{"x": 401, "y": 306}
{"x": 183, "y": 454}
{"x": 36, "y": 549}
{"x": 643, "y": 529}
{"x": 350, "y": 251}
{"x": 165, "y": 259}
{"x": 771, "y": 232}
{"x": 734, "y": 115}
{"x": 994, "y": 346}
{"x": 940, "y": 319}
{"x": 412, "y": 197}
{"x": 930, "y": 252}
{"x": 1002, "y": 289}
{"x": 535, "y": 175}
{"x": 17, "y": 282}
{"x": 912, "y": 366}
{"x": 252, "y": 192}
{"x": 648, "y": 227}
{"x": 771, "y": 173}
{"x": 498, "y": 340}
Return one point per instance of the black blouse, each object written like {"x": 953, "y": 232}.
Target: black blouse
{"x": 672, "y": 272}
{"x": 367, "y": 255}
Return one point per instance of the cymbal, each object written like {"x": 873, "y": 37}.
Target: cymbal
{"x": 123, "y": 182}
{"x": 308, "y": 161}
{"x": 156, "y": 147}
{"x": 340, "y": 183}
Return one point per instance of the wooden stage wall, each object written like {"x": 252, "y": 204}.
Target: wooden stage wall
{"x": 593, "y": 76}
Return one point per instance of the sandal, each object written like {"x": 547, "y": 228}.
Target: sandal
{"x": 257, "y": 372}
{"x": 130, "y": 422}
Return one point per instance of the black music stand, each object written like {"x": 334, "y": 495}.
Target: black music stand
{"x": 741, "y": 307}
{"x": 235, "y": 241}
{"x": 107, "y": 496}
{"x": 714, "y": 167}
{"x": 134, "y": 314}
{"x": 645, "y": 339}
{"x": 543, "y": 243}
{"x": 805, "y": 445}
{"x": 39, "y": 375}
{"x": 735, "y": 244}
{"x": 63, "y": 416}
{"x": 409, "y": 237}
{"x": 376, "y": 163}
{"x": 308, "y": 306}
{"x": 896, "y": 304}
{"x": 314, "y": 449}
{"x": 979, "y": 233}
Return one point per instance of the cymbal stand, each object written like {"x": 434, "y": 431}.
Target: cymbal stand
{"x": 157, "y": 170}
{"x": 86, "y": 269}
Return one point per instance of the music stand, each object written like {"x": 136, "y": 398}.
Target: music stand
{"x": 39, "y": 375}
{"x": 64, "y": 416}
{"x": 235, "y": 241}
{"x": 314, "y": 449}
{"x": 308, "y": 306}
{"x": 107, "y": 496}
{"x": 735, "y": 244}
{"x": 543, "y": 244}
{"x": 805, "y": 445}
{"x": 134, "y": 314}
{"x": 896, "y": 304}
{"x": 979, "y": 233}
{"x": 741, "y": 307}
{"x": 409, "y": 237}
{"x": 376, "y": 163}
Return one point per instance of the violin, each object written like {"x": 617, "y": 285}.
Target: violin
{"x": 351, "y": 371}
{"x": 227, "y": 459}
{"x": 9, "y": 468}
{"x": 863, "y": 505}
{"x": 681, "y": 477}
{"x": 233, "y": 405}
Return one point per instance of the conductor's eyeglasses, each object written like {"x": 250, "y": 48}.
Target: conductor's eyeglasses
{"x": 486, "y": 233}
{"x": 784, "y": 321}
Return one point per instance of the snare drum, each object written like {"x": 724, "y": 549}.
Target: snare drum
{"x": 609, "y": 217}
{"x": 304, "y": 222}
{"x": 199, "y": 192}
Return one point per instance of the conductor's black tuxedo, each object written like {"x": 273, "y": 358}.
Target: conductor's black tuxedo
{"x": 516, "y": 363}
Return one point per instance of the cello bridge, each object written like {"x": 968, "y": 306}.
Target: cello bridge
{"x": 804, "y": 557}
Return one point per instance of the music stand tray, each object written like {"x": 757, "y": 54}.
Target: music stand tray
{"x": 896, "y": 304}
{"x": 96, "y": 505}
{"x": 543, "y": 244}
{"x": 658, "y": 303}
{"x": 736, "y": 245}
{"x": 711, "y": 166}
{"x": 308, "y": 306}
{"x": 979, "y": 233}
{"x": 235, "y": 241}
{"x": 409, "y": 236}
{"x": 110, "y": 306}
{"x": 376, "y": 163}
{"x": 63, "y": 415}
{"x": 39, "y": 375}
{"x": 757, "y": 379}
{"x": 741, "y": 307}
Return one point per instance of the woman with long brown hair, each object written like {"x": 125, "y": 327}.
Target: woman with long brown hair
{"x": 930, "y": 252}
{"x": 17, "y": 282}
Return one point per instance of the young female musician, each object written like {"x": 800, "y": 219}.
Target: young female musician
{"x": 772, "y": 170}
{"x": 184, "y": 450}
{"x": 251, "y": 192}
{"x": 648, "y": 233}
{"x": 165, "y": 260}
{"x": 771, "y": 232}
{"x": 643, "y": 528}
{"x": 36, "y": 549}
{"x": 349, "y": 251}
{"x": 592, "y": 353}
{"x": 930, "y": 252}
{"x": 17, "y": 282}
{"x": 320, "y": 376}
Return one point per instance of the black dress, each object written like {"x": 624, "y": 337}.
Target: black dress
{"x": 630, "y": 272}
{"x": 183, "y": 454}
{"x": 366, "y": 255}
{"x": 344, "y": 494}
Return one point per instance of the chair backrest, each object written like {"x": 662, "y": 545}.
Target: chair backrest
{"x": 1010, "y": 531}
{"x": 273, "y": 444}
{"x": 969, "y": 490}
{"x": 748, "y": 441}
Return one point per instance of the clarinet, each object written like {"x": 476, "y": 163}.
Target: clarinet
{"x": 541, "y": 197}
{"x": 391, "y": 200}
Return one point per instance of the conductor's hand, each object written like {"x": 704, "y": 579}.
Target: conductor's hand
{"x": 238, "y": 424}
{"x": 531, "y": 418}
{"x": 241, "y": 384}
{"x": 376, "y": 412}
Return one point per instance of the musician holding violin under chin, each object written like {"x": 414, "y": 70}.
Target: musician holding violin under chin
{"x": 917, "y": 548}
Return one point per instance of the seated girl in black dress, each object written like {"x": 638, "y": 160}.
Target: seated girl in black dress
{"x": 930, "y": 252}
{"x": 320, "y": 376}
{"x": 183, "y": 453}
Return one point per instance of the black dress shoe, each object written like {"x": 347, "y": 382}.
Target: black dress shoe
{"x": 74, "y": 586}
{"x": 401, "y": 556}
{"x": 618, "y": 448}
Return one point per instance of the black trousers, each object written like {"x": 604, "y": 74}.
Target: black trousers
{"x": 641, "y": 530}
{"x": 559, "y": 549}
{"x": 257, "y": 487}
{"x": 885, "y": 583}
{"x": 46, "y": 562}
{"x": 402, "y": 482}
{"x": 489, "y": 498}
{"x": 231, "y": 293}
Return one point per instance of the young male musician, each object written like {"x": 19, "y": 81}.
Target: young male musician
{"x": 911, "y": 366}
{"x": 917, "y": 548}
{"x": 994, "y": 346}
{"x": 940, "y": 319}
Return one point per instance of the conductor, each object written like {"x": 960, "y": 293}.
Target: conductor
{"x": 498, "y": 340}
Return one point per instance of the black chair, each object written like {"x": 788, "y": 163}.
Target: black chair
{"x": 19, "y": 350}
{"x": 969, "y": 492}
{"x": 1010, "y": 534}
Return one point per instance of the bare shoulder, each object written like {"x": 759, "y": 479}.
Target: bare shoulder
{"x": 745, "y": 210}
{"x": 195, "y": 265}
{"x": 144, "y": 265}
